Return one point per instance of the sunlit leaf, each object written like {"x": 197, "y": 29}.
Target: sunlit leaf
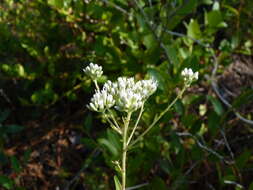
{"x": 117, "y": 183}
{"x": 56, "y": 3}
{"x": 216, "y": 105}
{"x": 193, "y": 29}
{"x": 213, "y": 18}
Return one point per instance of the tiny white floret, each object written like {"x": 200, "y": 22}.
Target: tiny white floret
{"x": 189, "y": 75}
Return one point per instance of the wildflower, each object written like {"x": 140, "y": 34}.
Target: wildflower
{"x": 189, "y": 76}
{"x": 100, "y": 101}
{"x": 128, "y": 101}
{"x": 110, "y": 87}
{"x": 93, "y": 71}
{"x": 146, "y": 87}
{"x": 125, "y": 83}
{"x": 125, "y": 94}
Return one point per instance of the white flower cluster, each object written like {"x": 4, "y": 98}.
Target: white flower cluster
{"x": 125, "y": 94}
{"x": 189, "y": 75}
{"x": 146, "y": 87}
{"x": 128, "y": 100}
{"x": 100, "y": 101}
{"x": 93, "y": 71}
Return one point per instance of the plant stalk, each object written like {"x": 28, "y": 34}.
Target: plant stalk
{"x": 96, "y": 84}
{"x": 136, "y": 124}
{"x": 124, "y": 150}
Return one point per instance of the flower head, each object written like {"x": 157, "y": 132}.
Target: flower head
{"x": 131, "y": 95}
{"x": 146, "y": 87}
{"x": 100, "y": 101}
{"x": 125, "y": 94}
{"x": 93, "y": 71}
{"x": 110, "y": 87}
{"x": 125, "y": 83}
{"x": 128, "y": 101}
{"x": 189, "y": 75}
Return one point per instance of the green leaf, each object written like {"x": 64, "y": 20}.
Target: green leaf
{"x": 109, "y": 146}
{"x": 149, "y": 41}
{"x": 5, "y": 68}
{"x": 213, "y": 18}
{"x": 26, "y": 156}
{"x": 114, "y": 139}
{"x": 159, "y": 78}
{"x": 150, "y": 55}
{"x": 251, "y": 186}
{"x": 187, "y": 7}
{"x": 19, "y": 69}
{"x": 158, "y": 183}
{"x": 88, "y": 142}
{"x": 31, "y": 50}
{"x": 117, "y": 183}
{"x": 56, "y": 3}
{"x": 231, "y": 9}
{"x": 123, "y": 2}
{"x": 172, "y": 53}
{"x": 175, "y": 142}
{"x": 245, "y": 98}
{"x": 189, "y": 119}
{"x": 15, "y": 164}
{"x": 208, "y": 2}
{"x": 142, "y": 24}
{"x": 216, "y": 104}
{"x": 193, "y": 29}
{"x": 243, "y": 158}
{"x": 179, "y": 107}
{"x": 213, "y": 122}
{"x": 229, "y": 178}
{"x": 16, "y": 70}
{"x": 88, "y": 123}
{"x": 44, "y": 96}
{"x": 6, "y": 182}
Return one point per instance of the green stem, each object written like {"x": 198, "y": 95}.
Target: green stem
{"x": 136, "y": 124}
{"x": 158, "y": 118}
{"x": 113, "y": 118}
{"x": 124, "y": 150}
{"x": 96, "y": 84}
{"x": 112, "y": 125}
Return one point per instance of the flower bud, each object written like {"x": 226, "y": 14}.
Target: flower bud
{"x": 93, "y": 71}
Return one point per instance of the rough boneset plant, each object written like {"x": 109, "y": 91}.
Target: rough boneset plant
{"x": 127, "y": 96}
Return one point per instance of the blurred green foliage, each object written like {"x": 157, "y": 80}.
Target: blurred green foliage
{"x": 44, "y": 44}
